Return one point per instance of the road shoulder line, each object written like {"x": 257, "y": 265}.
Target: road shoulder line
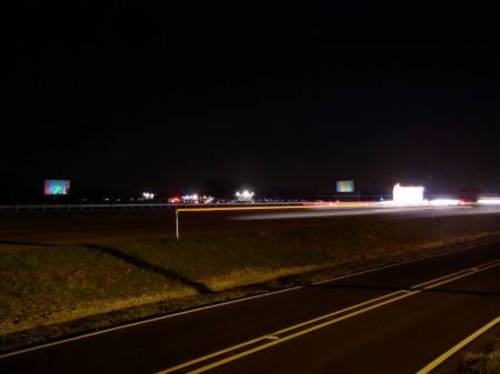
{"x": 439, "y": 360}
{"x": 354, "y": 311}
{"x": 222, "y": 304}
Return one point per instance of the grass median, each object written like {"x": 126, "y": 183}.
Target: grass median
{"x": 99, "y": 283}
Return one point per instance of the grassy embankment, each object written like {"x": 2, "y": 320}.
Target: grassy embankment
{"x": 44, "y": 285}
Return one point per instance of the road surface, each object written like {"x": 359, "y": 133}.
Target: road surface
{"x": 72, "y": 226}
{"x": 391, "y": 320}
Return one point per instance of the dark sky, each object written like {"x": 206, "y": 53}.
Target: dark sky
{"x": 284, "y": 99}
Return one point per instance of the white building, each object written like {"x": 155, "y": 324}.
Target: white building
{"x": 413, "y": 195}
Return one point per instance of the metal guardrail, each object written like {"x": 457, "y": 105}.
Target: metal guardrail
{"x": 52, "y": 207}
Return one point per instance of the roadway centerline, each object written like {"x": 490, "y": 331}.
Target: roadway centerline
{"x": 274, "y": 334}
{"x": 354, "y": 311}
{"x": 298, "y": 334}
{"x": 465, "y": 271}
{"x": 229, "y": 302}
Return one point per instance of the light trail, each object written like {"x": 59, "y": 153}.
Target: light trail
{"x": 427, "y": 211}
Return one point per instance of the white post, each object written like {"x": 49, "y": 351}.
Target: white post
{"x": 177, "y": 224}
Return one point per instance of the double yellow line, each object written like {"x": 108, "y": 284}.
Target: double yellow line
{"x": 281, "y": 336}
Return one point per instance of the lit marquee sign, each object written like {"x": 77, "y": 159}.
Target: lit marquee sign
{"x": 345, "y": 186}
{"x": 56, "y": 187}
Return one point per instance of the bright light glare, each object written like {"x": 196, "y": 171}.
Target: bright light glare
{"x": 206, "y": 199}
{"x": 489, "y": 201}
{"x": 444, "y": 202}
{"x": 197, "y": 199}
{"x": 148, "y": 195}
{"x": 190, "y": 198}
{"x": 244, "y": 195}
{"x": 408, "y": 195}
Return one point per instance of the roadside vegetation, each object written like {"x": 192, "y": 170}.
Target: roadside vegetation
{"x": 49, "y": 290}
{"x": 485, "y": 362}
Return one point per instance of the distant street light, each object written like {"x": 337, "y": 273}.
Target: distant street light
{"x": 245, "y": 196}
{"x": 148, "y": 195}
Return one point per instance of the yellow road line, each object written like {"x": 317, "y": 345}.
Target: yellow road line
{"x": 392, "y": 297}
{"x": 212, "y": 306}
{"x": 438, "y": 361}
{"x": 465, "y": 272}
{"x": 444, "y": 277}
{"x": 471, "y": 272}
{"x": 327, "y": 323}
{"x": 297, "y": 334}
{"x": 249, "y": 342}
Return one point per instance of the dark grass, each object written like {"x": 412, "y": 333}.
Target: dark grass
{"x": 109, "y": 280}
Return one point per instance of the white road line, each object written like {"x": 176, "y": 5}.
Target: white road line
{"x": 379, "y": 302}
{"x": 438, "y": 361}
{"x": 217, "y": 305}
{"x": 146, "y": 321}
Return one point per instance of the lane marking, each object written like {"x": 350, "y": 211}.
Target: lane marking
{"x": 407, "y": 262}
{"x": 497, "y": 263}
{"x": 272, "y": 337}
{"x": 217, "y": 305}
{"x": 438, "y": 361}
{"x": 460, "y": 272}
{"x": 379, "y": 302}
{"x": 293, "y": 336}
{"x": 465, "y": 271}
{"x": 146, "y": 321}
{"x": 260, "y": 338}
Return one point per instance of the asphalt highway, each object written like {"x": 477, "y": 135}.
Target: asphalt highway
{"x": 390, "y": 320}
{"x": 72, "y": 226}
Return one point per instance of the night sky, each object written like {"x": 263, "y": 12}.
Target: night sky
{"x": 285, "y": 100}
